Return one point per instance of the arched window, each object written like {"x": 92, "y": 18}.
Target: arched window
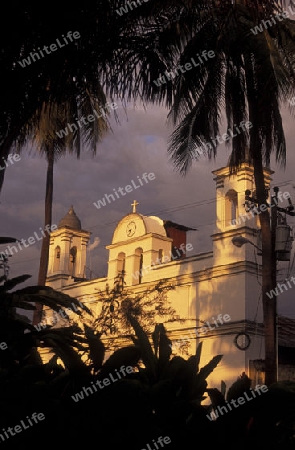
{"x": 121, "y": 263}
{"x": 138, "y": 264}
{"x": 56, "y": 262}
{"x": 231, "y": 205}
{"x": 72, "y": 261}
{"x": 140, "y": 267}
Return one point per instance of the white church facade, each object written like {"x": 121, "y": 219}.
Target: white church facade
{"x": 218, "y": 293}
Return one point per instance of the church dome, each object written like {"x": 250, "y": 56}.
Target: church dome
{"x": 154, "y": 224}
{"x": 136, "y": 225}
{"x": 70, "y": 220}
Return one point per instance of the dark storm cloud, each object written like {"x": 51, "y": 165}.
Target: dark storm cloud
{"x": 135, "y": 146}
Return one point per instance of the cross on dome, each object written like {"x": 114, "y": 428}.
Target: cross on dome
{"x": 134, "y": 204}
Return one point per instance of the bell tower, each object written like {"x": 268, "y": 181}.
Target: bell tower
{"x": 138, "y": 243}
{"x": 232, "y": 219}
{"x": 67, "y": 253}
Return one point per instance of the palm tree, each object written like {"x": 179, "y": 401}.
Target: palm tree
{"x": 52, "y": 91}
{"x": 249, "y": 79}
{"x": 41, "y": 129}
{"x": 53, "y": 77}
{"x": 52, "y": 146}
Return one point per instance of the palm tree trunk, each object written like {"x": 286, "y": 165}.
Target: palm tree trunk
{"x": 44, "y": 257}
{"x": 4, "y": 152}
{"x": 268, "y": 276}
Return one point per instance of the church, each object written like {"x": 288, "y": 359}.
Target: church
{"x": 218, "y": 292}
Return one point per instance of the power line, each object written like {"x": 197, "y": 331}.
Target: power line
{"x": 189, "y": 206}
{"x": 173, "y": 209}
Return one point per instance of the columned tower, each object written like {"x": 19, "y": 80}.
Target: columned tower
{"x": 231, "y": 217}
{"x": 67, "y": 254}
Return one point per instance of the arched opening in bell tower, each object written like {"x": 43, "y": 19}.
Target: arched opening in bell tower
{"x": 72, "y": 261}
{"x": 138, "y": 264}
{"x": 56, "y": 262}
{"x": 231, "y": 205}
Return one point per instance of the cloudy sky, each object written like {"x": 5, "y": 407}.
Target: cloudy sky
{"x": 136, "y": 145}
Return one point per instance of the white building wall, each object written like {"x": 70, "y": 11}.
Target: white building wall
{"x": 223, "y": 281}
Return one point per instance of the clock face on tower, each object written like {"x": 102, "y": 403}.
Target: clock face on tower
{"x": 130, "y": 229}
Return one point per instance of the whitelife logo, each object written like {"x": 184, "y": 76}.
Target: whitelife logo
{"x": 183, "y": 69}
{"x": 31, "y": 241}
{"x": 161, "y": 440}
{"x": 3, "y": 346}
{"x": 241, "y": 401}
{"x": 124, "y": 10}
{"x": 258, "y": 210}
{"x": 18, "y": 428}
{"x": 243, "y": 127}
{"x": 101, "y": 384}
{"x": 128, "y": 189}
{"x": 280, "y": 287}
{"x": 71, "y": 127}
{"x": 265, "y": 24}
{"x": 197, "y": 333}
{"x": 145, "y": 269}
{"x": 53, "y": 47}
{"x": 57, "y": 316}
{"x": 9, "y": 160}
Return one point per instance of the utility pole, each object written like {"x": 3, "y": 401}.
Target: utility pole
{"x": 270, "y": 304}
{"x": 272, "y": 360}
